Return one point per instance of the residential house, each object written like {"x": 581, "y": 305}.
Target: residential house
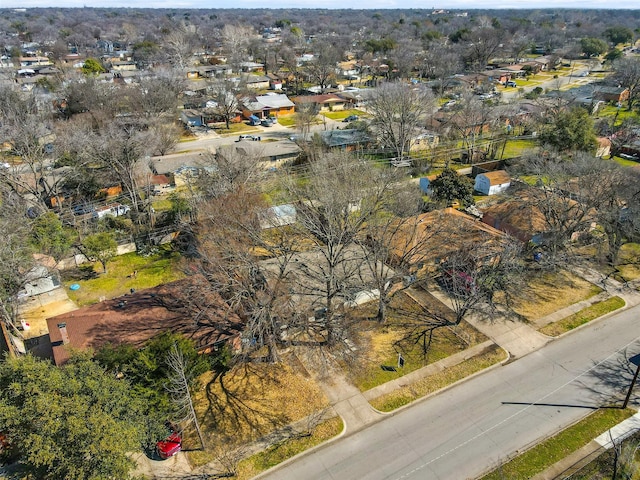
{"x": 269, "y": 154}
{"x": 425, "y": 240}
{"x": 517, "y": 216}
{"x": 192, "y": 118}
{"x": 424, "y": 141}
{"x": 256, "y": 82}
{"x": 188, "y": 307}
{"x": 263, "y": 106}
{"x": 612, "y": 94}
{"x": 251, "y": 67}
{"x": 324, "y": 102}
{"x": 491, "y": 183}
{"x": 34, "y": 61}
{"x": 347, "y": 139}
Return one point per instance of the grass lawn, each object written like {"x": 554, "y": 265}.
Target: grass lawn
{"x": 551, "y": 291}
{"x": 583, "y": 316}
{"x": 515, "y": 148}
{"x": 625, "y": 162}
{"x": 422, "y": 388}
{"x": 609, "y": 111}
{"x": 234, "y": 128}
{"x": 248, "y": 402}
{"x": 628, "y": 265}
{"x": 287, "y": 121}
{"x": 152, "y": 271}
{"x": 381, "y": 345}
{"x": 276, "y": 454}
{"x": 342, "y": 114}
{"x": 554, "y": 449}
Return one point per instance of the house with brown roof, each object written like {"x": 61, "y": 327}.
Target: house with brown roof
{"x": 324, "y": 102}
{"x": 187, "y": 306}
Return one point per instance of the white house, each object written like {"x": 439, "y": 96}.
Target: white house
{"x": 491, "y": 183}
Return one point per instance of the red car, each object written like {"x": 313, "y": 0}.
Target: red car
{"x": 171, "y": 445}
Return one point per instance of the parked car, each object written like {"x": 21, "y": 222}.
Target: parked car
{"x": 267, "y": 122}
{"x": 115, "y": 210}
{"x": 351, "y": 118}
{"x": 255, "y": 138}
{"x": 170, "y": 445}
{"x": 511, "y": 83}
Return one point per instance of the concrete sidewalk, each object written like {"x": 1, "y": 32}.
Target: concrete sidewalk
{"x": 578, "y": 459}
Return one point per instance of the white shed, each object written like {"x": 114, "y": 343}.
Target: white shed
{"x": 491, "y": 183}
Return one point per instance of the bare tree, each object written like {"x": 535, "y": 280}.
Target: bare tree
{"x": 470, "y": 121}
{"x": 236, "y": 40}
{"x": 341, "y": 195}
{"x": 179, "y": 388}
{"x": 627, "y": 74}
{"x": 482, "y": 44}
{"x": 223, "y": 94}
{"x": 322, "y": 68}
{"x": 399, "y": 114}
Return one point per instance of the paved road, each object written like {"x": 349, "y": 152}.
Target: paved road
{"x": 462, "y": 432}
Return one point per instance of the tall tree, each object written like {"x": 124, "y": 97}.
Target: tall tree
{"x": 399, "y": 113}
{"x": 75, "y": 422}
{"x": 627, "y": 74}
{"x": 570, "y": 130}
{"x": 449, "y": 186}
{"x": 100, "y": 247}
{"x": 322, "y": 69}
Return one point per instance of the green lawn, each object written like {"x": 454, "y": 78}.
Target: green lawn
{"x": 515, "y": 148}
{"x": 585, "y": 315}
{"x": 342, "y": 114}
{"x": 554, "y": 449}
{"x": 151, "y": 271}
{"x": 287, "y": 121}
{"x": 625, "y": 163}
{"x": 610, "y": 111}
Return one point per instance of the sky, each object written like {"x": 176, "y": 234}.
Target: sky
{"x": 331, "y": 4}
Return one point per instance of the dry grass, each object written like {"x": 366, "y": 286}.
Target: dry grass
{"x": 381, "y": 344}
{"x": 422, "y": 388}
{"x": 552, "y": 291}
{"x": 249, "y": 402}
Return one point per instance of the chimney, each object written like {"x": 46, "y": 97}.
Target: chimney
{"x": 63, "y": 333}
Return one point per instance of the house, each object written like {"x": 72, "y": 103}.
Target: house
{"x": 324, "y": 102}
{"x": 424, "y": 141}
{"x": 256, "y": 82}
{"x": 251, "y": 67}
{"x": 612, "y": 94}
{"x": 269, "y": 154}
{"x": 424, "y": 240}
{"x": 33, "y": 61}
{"x": 517, "y": 216}
{"x": 347, "y": 139}
{"x": 192, "y": 118}
{"x": 491, "y": 183}
{"x": 263, "y": 106}
{"x": 187, "y": 307}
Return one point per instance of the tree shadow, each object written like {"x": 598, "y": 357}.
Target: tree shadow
{"x": 613, "y": 378}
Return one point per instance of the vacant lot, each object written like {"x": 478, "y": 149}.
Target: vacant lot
{"x": 552, "y": 291}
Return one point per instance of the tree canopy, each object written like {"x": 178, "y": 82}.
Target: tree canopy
{"x": 74, "y": 422}
{"x": 570, "y": 130}
{"x": 450, "y": 186}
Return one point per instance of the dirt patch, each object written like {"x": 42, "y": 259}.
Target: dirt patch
{"x": 37, "y": 309}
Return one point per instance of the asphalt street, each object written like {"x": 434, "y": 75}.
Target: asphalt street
{"x": 472, "y": 427}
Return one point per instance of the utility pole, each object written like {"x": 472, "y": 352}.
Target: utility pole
{"x": 636, "y": 361}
